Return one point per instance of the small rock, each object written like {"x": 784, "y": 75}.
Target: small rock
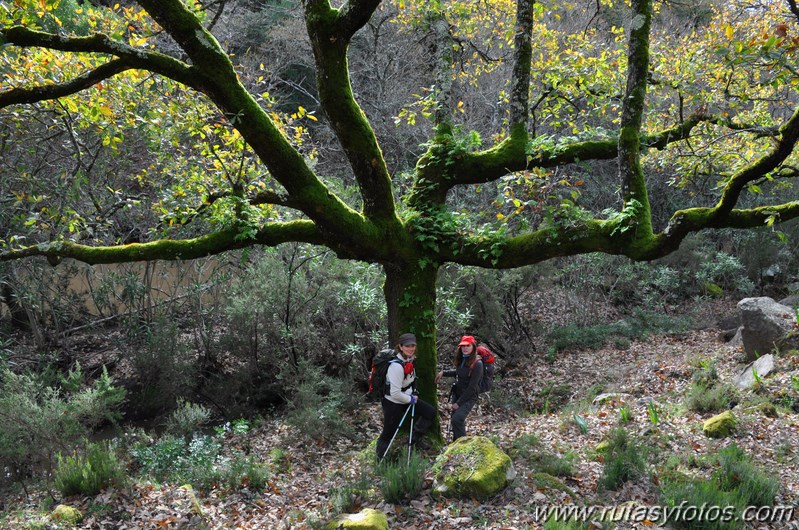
{"x": 611, "y": 396}
{"x": 746, "y": 377}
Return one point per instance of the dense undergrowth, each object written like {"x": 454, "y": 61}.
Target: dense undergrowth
{"x": 295, "y": 342}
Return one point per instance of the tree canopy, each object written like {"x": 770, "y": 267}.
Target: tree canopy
{"x": 147, "y": 131}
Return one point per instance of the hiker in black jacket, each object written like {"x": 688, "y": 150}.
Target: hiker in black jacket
{"x": 468, "y": 372}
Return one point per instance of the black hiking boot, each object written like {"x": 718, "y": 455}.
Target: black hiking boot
{"x": 421, "y": 443}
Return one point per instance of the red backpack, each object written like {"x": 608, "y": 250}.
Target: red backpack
{"x": 489, "y": 361}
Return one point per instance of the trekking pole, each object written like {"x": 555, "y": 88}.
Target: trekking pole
{"x": 449, "y": 412}
{"x": 449, "y": 426}
{"x": 410, "y": 436}
{"x": 395, "y": 434}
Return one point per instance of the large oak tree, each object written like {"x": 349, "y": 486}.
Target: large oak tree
{"x": 411, "y": 235}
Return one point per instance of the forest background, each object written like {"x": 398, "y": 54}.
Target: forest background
{"x": 121, "y": 156}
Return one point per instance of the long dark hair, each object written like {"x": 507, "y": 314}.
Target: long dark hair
{"x": 472, "y": 356}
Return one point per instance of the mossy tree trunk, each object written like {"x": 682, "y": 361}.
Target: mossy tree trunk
{"x": 410, "y": 292}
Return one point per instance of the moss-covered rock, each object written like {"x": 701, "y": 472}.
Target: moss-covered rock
{"x": 366, "y": 519}
{"x": 550, "y": 482}
{"x": 767, "y": 409}
{"x": 66, "y": 515}
{"x": 721, "y": 425}
{"x": 472, "y": 466}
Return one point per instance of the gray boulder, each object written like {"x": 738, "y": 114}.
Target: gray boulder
{"x": 746, "y": 377}
{"x": 766, "y": 325}
{"x": 791, "y": 301}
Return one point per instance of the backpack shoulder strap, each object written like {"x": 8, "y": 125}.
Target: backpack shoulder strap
{"x": 471, "y": 367}
{"x": 403, "y": 363}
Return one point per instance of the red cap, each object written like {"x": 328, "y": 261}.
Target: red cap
{"x": 467, "y": 339}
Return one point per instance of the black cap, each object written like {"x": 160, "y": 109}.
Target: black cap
{"x": 407, "y": 338}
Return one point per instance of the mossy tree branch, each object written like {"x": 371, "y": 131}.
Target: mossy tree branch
{"x": 439, "y": 170}
{"x": 512, "y": 155}
{"x": 58, "y": 90}
{"x": 522, "y": 59}
{"x": 285, "y": 163}
{"x": 631, "y": 174}
{"x": 330, "y": 31}
{"x": 169, "y": 249}
{"x": 786, "y": 142}
{"x": 128, "y": 58}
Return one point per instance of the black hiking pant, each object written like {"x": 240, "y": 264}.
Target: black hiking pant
{"x": 458, "y": 419}
{"x": 425, "y": 413}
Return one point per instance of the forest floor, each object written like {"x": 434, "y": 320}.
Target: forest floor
{"x": 534, "y": 405}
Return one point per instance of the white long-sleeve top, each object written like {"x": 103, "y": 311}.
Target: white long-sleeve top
{"x": 397, "y": 380}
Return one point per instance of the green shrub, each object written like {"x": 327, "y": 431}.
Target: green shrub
{"x": 316, "y": 403}
{"x": 298, "y": 302}
{"x": 716, "y": 398}
{"x": 173, "y": 459}
{"x": 243, "y": 472}
{"x": 200, "y": 463}
{"x": 695, "y": 494}
{"x": 400, "y": 481}
{"x": 706, "y": 374}
{"x": 623, "y": 460}
{"x": 187, "y": 419}
{"x": 723, "y": 272}
{"x": 347, "y": 498}
{"x": 637, "y": 326}
{"x": 40, "y": 419}
{"x": 527, "y": 448}
{"x": 163, "y": 363}
{"x": 737, "y": 473}
{"x": 90, "y": 473}
{"x": 735, "y": 482}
